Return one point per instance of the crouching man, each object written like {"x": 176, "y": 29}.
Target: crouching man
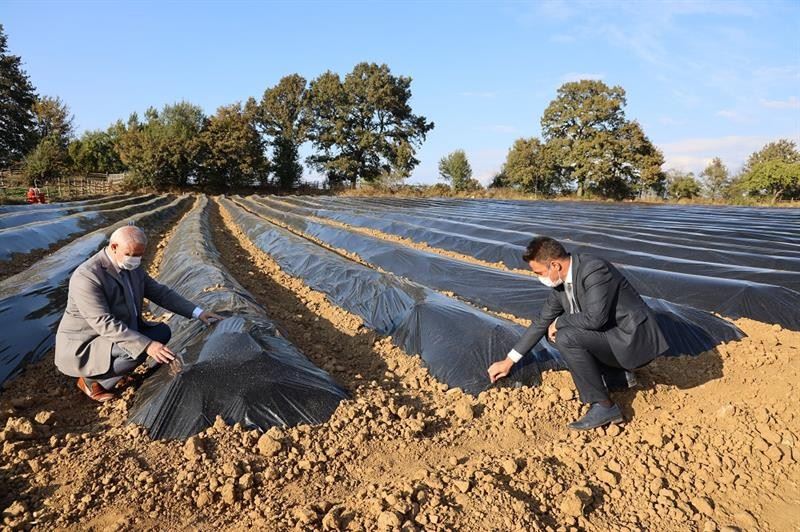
{"x": 598, "y": 322}
{"x": 102, "y": 336}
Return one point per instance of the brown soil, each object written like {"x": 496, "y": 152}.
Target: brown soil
{"x": 712, "y": 443}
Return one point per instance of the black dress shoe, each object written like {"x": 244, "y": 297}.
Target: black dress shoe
{"x": 598, "y": 416}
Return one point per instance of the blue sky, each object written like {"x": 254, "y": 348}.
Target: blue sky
{"x": 705, "y": 79}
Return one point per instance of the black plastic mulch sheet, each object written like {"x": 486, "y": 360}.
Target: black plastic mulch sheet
{"x": 688, "y": 330}
{"x": 240, "y": 369}
{"x": 41, "y": 235}
{"x": 455, "y": 341}
{"x": 32, "y": 302}
{"x": 42, "y": 213}
{"x": 4, "y": 209}
{"x": 747, "y": 280}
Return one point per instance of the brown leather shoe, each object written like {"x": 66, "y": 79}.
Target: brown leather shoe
{"x": 97, "y": 392}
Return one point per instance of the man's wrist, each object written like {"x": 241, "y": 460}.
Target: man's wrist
{"x": 196, "y": 312}
{"x": 514, "y": 356}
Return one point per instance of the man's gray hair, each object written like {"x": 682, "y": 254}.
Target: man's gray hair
{"x": 128, "y": 234}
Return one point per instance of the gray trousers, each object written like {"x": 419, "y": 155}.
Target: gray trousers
{"x": 590, "y": 361}
{"x": 123, "y": 363}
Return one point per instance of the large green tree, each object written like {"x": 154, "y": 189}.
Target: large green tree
{"x": 53, "y": 125}
{"x": 47, "y": 160}
{"x": 777, "y": 178}
{"x": 97, "y": 151}
{"x": 363, "y": 127}
{"x": 52, "y": 119}
{"x": 456, "y": 170}
{"x": 716, "y": 178}
{"x": 165, "y": 149}
{"x": 17, "y": 96}
{"x": 595, "y": 146}
{"x": 682, "y": 185}
{"x": 772, "y": 178}
{"x": 233, "y": 152}
{"x": 781, "y": 150}
{"x": 530, "y": 167}
{"x": 283, "y": 118}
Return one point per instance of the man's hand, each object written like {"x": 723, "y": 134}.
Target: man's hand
{"x": 500, "y": 369}
{"x": 551, "y": 332}
{"x": 160, "y": 353}
{"x": 209, "y": 317}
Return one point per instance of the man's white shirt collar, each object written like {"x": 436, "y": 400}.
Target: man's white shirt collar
{"x": 568, "y": 280}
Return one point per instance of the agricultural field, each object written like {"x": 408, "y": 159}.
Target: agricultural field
{"x": 347, "y": 389}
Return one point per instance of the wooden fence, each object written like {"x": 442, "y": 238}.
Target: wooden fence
{"x": 14, "y": 186}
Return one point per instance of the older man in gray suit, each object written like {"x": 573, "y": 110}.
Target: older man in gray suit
{"x": 102, "y": 336}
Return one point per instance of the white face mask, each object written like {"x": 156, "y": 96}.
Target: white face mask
{"x": 545, "y": 280}
{"x": 130, "y": 263}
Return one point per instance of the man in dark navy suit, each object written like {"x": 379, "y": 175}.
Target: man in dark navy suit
{"x": 598, "y": 322}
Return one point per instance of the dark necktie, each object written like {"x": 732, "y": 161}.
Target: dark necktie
{"x": 126, "y": 280}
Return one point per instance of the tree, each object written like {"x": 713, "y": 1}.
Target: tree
{"x": 682, "y": 185}
{"x": 781, "y": 150}
{"x": 17, "y": 96}
{"x": 283, "y": 118}
{"x": 48, "y": 160}
{"x": 595, "y": 146}
{"x": 52, "y": 119}
{"x": 455, "y": 169}
{"x": 233, "y": 152}
{"x": 165, "y": 149}
{"x": 96, "y": 151}
{"x": 500, "y": 180}
{"x": 363, "y": 127}
{"x": 529, "y": 167}
{"x": 716, "y": 178}
{"x": 771, "y": 179}
{"x": 775, "y": 177}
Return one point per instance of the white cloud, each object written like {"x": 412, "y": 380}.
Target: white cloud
{"x": 578, "y": 76}
{"x": 791, "y": 103}
{"x": 728, "y": 113}
{"x": 694, "y": 154}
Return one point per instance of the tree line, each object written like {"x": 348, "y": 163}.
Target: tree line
{"x": 589, "y": 148}
{"x": 360, "y": 126}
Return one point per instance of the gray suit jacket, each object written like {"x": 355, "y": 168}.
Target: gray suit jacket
{"x": 608, "y": 303}
{"x": 98, "y": 313}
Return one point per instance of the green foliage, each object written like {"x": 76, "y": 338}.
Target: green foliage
{"x": 593, "y": 145}
{"x": 782, "y": 150}
{"x": 769, "y": 172}
{"x": 530, "y": 167}
{"x": 682, "y": 185}
{"x": 52, "y": 119}
{"x": 283, "y": 118}
{"x": 363, "y": 126}
{"x": 17, "y": 96}
{"x": 165, "y": 149}
{"x": 233, "y": 152}
{"x": 455, "y": 169}
{"x": 717, "y": 179}
{"x": 96, "y": 151}
{"x": 48, "y": 160}
{"x": 776, "y": 178}
{"x": 500, "y": 180}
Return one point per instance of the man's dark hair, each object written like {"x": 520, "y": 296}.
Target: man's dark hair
{"x": 544, "y": 249}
